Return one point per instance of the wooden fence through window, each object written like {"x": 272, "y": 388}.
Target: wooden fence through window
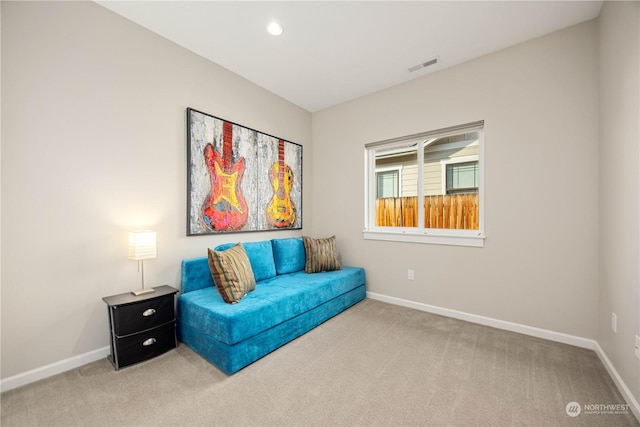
{"x": 454, "y": 211}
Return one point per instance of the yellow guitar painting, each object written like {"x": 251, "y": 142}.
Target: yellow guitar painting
{"x": 281, "y": 211}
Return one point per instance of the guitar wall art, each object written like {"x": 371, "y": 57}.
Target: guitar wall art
{"x": 240, "y": 179}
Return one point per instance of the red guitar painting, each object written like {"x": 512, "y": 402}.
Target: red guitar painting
{"x": 224, "y": 208}
{"x": 281, "y": 212}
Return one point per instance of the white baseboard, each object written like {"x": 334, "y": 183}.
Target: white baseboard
{"x": 52, "y": 369}
{"x": 488, "y": 321}
{"x": 617, "y": 379}
{"x": 526, "y": 330}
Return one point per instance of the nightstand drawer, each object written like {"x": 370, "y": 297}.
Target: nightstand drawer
{"x": 132, "y": 318}
{"x": 145, "y": 345}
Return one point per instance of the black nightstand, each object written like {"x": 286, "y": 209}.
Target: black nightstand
{"x": 142, "y": 327}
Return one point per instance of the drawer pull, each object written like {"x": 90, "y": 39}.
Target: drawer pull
{"x": 149, "y": 312}
{"x": 149, "y": 342}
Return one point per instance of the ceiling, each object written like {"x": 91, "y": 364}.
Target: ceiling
{"x": 334, "y": 51}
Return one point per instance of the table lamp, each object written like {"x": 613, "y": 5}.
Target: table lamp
{"x": 142, "y": 245}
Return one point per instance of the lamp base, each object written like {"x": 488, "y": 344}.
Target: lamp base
{"x": 143, "y": 291}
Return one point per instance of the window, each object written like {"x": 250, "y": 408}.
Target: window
{"x": 388, "y": 182}
{"x": 462, "y": 177}
{"x": 427, "y": 188}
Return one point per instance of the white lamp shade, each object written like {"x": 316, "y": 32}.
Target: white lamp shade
{"x": 142, "y": 245}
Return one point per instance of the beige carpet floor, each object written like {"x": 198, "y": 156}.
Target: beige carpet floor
{"x": 374, "y": 365}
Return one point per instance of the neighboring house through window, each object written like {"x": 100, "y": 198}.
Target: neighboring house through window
{"x": 388, "y": 182}
{"x": 427, "y": 187}
{"x": 462, "y": 177}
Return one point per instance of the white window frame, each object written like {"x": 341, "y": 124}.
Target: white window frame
{"x": 472, "y": 238}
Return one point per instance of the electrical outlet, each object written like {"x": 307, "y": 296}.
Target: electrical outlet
{"x": 614, "y": 323}
{"x": 411, "y": 275}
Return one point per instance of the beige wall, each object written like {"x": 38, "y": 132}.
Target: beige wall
{"x": 539, "y": 266}
{"x": 619, "y": 37}
{"x": 93, "y": 145}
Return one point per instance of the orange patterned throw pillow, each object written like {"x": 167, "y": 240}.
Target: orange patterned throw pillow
{"x": 231, "y": 272}
{"x": 321, "y": 254}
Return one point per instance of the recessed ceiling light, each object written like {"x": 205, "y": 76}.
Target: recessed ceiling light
{"x": 274, "y": 29}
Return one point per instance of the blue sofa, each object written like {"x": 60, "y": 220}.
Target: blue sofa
{"x": 286, "y": 303}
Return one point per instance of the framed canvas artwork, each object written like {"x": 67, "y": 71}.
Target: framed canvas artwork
{"x": 240, "y": 179}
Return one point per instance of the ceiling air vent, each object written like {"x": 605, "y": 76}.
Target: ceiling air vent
{"x": 432, "y": 61}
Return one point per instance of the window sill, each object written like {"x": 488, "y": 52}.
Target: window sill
{"x": 428, "y": 237}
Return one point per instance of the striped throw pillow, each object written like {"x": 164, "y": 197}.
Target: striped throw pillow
{"x": 231, "y": 273}
{"x": 321, "y": 254}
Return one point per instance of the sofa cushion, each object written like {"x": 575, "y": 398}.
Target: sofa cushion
{"x": 260, "y": 256}
{"x": 231, "y": 358}
{"x": 272, "y": 302}
{"x": 231, "y": 273}
{"x": 288, "y": 255}
{"x": 321, "y": 254}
